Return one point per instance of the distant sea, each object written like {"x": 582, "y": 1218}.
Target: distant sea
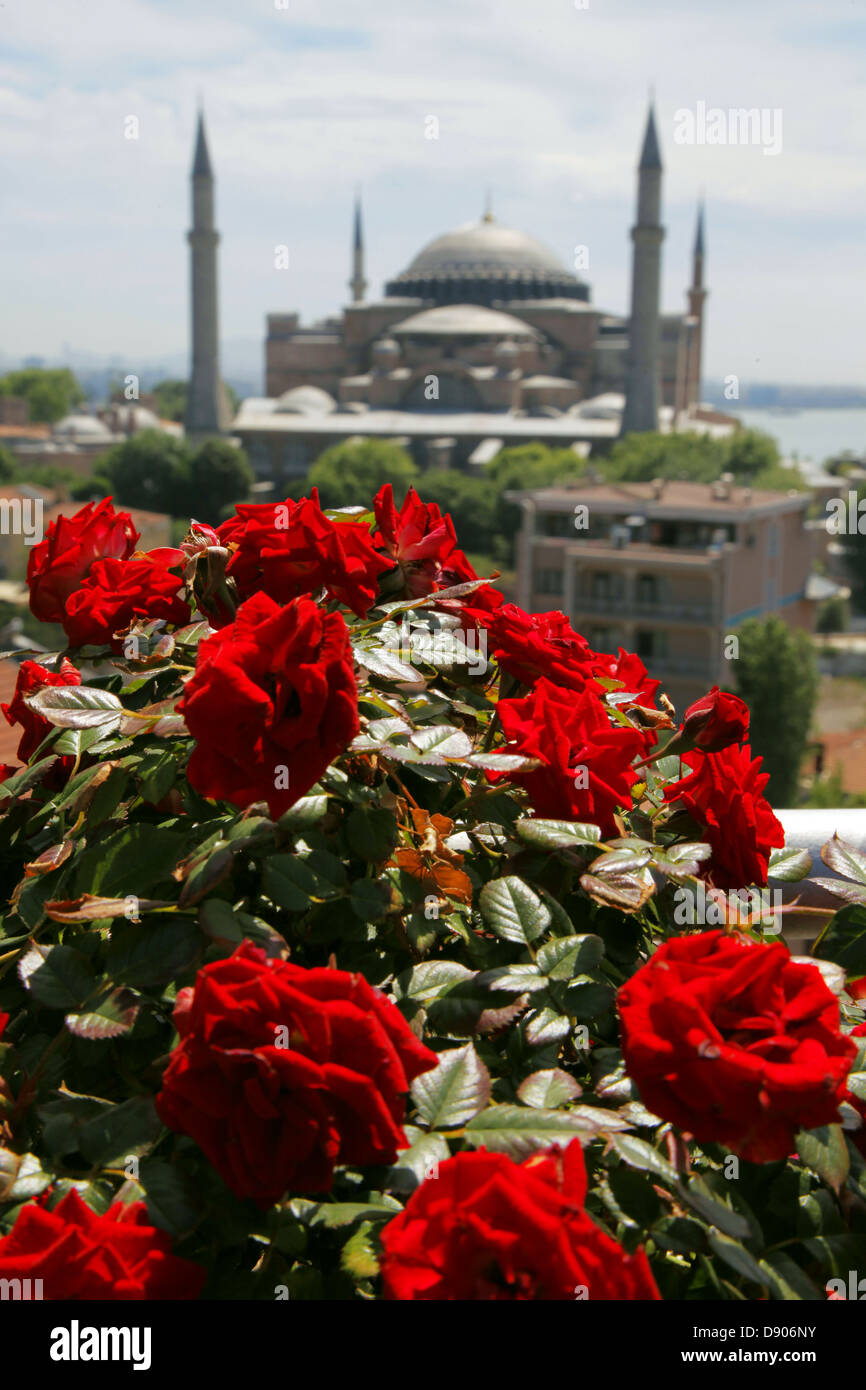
{"x": 810, "y": 434}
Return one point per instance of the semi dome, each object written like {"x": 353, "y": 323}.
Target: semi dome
{"x": 305, "y": 400}
{"x": 462, "y": 321}
{"x": 82, "y": 427}
{"x": 482, "y": 262}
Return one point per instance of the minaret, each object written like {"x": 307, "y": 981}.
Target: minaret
{"x": 643, "y": 364}
{"x": 358, "y": 284}
{"x": 697, "y": 296}
{"x": 207, "y": 410}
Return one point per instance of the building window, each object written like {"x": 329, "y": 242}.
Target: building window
{"x": 602, "y": 585}
{"x": 647, "y": 589}
{"x": 548, "y": 581}
{"x": 651, "y": 644}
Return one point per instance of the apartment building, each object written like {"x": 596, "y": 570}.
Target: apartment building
{"x": 667, "y": 569}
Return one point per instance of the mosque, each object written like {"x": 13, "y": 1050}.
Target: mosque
{"x": 484, "y": 340}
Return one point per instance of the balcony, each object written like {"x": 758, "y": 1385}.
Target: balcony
{"x": 661, "y": 611}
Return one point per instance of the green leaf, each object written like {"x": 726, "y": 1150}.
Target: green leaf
{"x": 358, "y": 1256}
{"x": 519, "y": 1130}
{"x": 288, "y": 882}
{"x": 616, "y": 862}
{"x": 844, "y": 940}
{"x": 558, "y": 834}
{"x": 372, "y": 834}
{"x": 547, "y": 1026}
{"x": 114, "y": 1132}
{"x": 789, "y": 865}
{"x": 699, "y": 1197}
{"x": 511, "y": 910}
{"x": 21, "y": 1176}
{"x": 455, "y": 1090}
{"x": 77, "y": 706}
{"x": 111, "y": 1018}
{"x": 27, "y": 778}
{"x": 567, "y": 956}
{"x": 130, "y": 862}
{"x": 173, "y": 1201}
{"x": 309, "y": 810}
{"x": 548, "y": 1089}
{"x": 588, "y": 999}
{"x": 428, "y": 980}
{"x": 57, "y": 976}
{"x": 737, "y": 1257}
{"x": 845, "y": 859}
{"x": 514, "y": 979}
{"x": 419, "y": 1162}
{"x": 370, "y": 899}
{"x": 637, "y": 1153}
{"x": 218, "y": 920}
{"x": 157, "y": 774}
{"x": 840, "y": 888}
{"x": 151, "y": 953}
{"x": 626, "y": 891}
{"x": 824, "y": 1151}
{"x": 64, "y": 1117}
{"x": 333, "y": 1215}
{"x": 442, "y": 741}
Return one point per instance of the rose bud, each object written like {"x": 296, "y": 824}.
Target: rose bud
{"x": 712, "y": 723}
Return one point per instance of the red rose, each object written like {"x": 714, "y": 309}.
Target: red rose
{"x": 293, "y": 548}
{"x": 715, "y": 721}
{"x": 62, "y": 560}
{"x": 115, "y": 593}
{"x": 723, "y": 794}
{"x": 735, "y": 1043}
{"x": 4, "y": 1019}
{"x": 628, "y": 669}
{"x": 489, "y": 1228}
{"x": 33, "y": 677}
{"x": 418, "y": 538}
{"x": 586, "y": 772}
{"x": 272, "y": 702}
{"x": 79, "y": 1255}
{"x": 531, "y": 645}
{"x": 272, "y": 1114}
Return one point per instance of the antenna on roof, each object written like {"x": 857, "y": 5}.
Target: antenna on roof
{"x": 488, "y": 207}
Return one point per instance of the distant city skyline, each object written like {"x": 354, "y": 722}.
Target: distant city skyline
{"x": 539, "y": 105}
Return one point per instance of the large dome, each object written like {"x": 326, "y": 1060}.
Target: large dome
{"x": 483, "y": 262}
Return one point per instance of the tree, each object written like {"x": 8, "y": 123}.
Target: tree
{"x": 149, "y": 470}
{"x": 219, "y": 475}
{"x": 852, "y": 542}
{"x": 778, "y": 678}
{"x": 350, "y": 474}
{"x": 525, "y": 466}
{"x": 50, "y": 392}
{"x": 832, "y": 615}
{"x": 171, "y": 397}
{"x": 638, "y": 458}
{"x": 750, "y": 452}
{"x": 470, "y": 502}
{"x": 752, "y": 457}
{"x": 8, "y": 466}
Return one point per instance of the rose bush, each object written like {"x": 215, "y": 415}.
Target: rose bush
{"x": 342, "y": 953}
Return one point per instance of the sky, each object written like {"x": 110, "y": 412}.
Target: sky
{"x": 542, "y": 102}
